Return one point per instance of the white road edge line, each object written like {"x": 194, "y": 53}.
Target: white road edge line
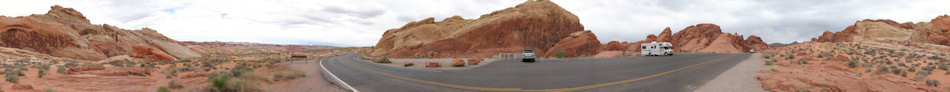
{"x": 347, "y": 86}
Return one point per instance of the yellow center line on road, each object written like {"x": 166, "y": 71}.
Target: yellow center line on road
{"x": 536, "y": 90}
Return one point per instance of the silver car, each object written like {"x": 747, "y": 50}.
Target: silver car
{"x": 528, "y": 55}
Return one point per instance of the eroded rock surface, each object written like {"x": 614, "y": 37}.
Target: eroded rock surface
{"x": 64, "y": 32}
{"x": 934, "y": 32}
{"x": 534, "y": 24}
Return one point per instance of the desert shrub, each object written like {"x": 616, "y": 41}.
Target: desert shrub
{"x": 897, "y": 71}
{"x": 882, "y": 69}
{"x": 408, "y": 64}
{"x": 769, "y": 62}
{"x": 171, "y": 71}
{"x": 12, "y": 76}
{"x": 921, "y": 75}
{"x": 802, "y": 61}
{"x": 942, "y": 66}
{"x": 163, "y": 89}
{"x": 928, "y": 67}
{"x": 791, "y": 56}
{"x": 559, "y": 54}
{"x": 174, "y": 85}
{"x": 384, "y": 59}
{"x": 803, "y": 90}
{"x": 853, "y": 64}
{"x": 932, "y": 82}
{"x": 235, "y": 80}
{"x": 902, "y": 64}
{"x": 41, "y": 73}
{"x": 288, "y": 75}
{"x": 61, "y": 69}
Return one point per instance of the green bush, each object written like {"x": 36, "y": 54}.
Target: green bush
{"x": 163, "y": 89}
{"x": 559, "y": 54}
{"x": 40, "y": 73}
{"x": 407, "y": 64}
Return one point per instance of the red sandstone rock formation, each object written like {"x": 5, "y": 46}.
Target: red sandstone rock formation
{"x": 64, "y": 32}
{"x": 534, "y": 24}
{"x": 935, "y": 32}
{"x": 665, "y": 36}
{"x": 705, "y": 38}
{"x": 613, "y": 45}
{"x": 583, "y": 43}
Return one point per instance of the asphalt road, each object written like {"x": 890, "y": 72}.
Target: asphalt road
{"x": 680, "y": 73}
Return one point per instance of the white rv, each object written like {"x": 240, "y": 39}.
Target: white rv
{"x": 656, "y": 49}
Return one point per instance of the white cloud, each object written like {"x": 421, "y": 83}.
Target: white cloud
{"x": 362, "y": 22}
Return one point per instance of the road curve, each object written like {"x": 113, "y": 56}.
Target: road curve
{"x": 680, "y": 73}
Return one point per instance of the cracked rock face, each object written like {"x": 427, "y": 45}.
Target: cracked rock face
{"x": 64, "y": 32}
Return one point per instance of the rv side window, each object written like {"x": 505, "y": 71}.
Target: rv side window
{"x": 643, "y": 47}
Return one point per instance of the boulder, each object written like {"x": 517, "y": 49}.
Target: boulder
{"x": 433, "y": 64}
{"x": 613, "y": 45}
{"x": 458, "y": 62}
{"x": 475, "y": 61}
{"x": 64, "y": 32}
{"x": 583, "y": 43}
{"x": 534, "y": 24}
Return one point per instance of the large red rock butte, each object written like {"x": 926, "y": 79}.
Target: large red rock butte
{"x": 535, "y": 24}
{"x": 934, "y": 32}
{"x": 64, "y": 32}
{"x": 704, "y": 38}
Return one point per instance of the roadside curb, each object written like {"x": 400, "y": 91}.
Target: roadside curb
{"x": 336, "y": 80}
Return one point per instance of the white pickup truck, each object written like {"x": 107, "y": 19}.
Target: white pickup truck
{"x": 656, "y": 49}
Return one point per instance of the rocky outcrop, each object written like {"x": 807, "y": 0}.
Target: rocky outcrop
{"x": 935, "y": 32}
{"x": 583, "y": 43}
{"x": 704, "y": 38}
{"x": 64, "y": 32}
{"x": 613, "y": 45}
{"x": 534, "y": 24}
{"x": 666, "y": 35}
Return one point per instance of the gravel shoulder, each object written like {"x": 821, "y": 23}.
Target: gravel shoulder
{"x": 740, "y": 78}
{"x": 313, "y": 82}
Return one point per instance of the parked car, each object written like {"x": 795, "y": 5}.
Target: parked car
{"x": 527, "y": 55}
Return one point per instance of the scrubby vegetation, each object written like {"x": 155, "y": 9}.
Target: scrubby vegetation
{"x": 384, "y": 59}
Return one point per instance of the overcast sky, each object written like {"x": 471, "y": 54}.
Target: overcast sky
{"x": 362, "y": 22}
